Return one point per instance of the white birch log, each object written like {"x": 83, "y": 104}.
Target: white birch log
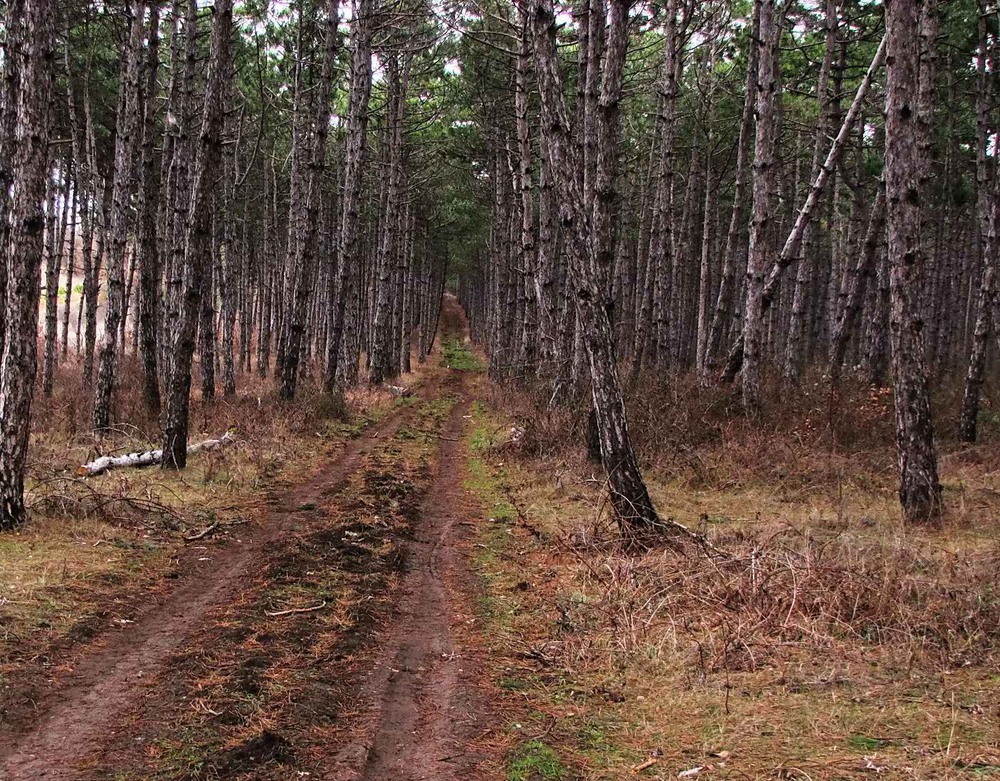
{"x": 147, "y": 457}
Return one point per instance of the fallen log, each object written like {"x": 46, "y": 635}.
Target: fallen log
{"x": 147, "y": 457}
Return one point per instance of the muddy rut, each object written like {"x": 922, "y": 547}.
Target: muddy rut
{"x": 428, "y": 711}
{"x": 72, "y": 717}
{"x": 416, "y": 709}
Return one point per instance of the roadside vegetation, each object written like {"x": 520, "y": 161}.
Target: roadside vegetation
{"x": 824, "y": 641}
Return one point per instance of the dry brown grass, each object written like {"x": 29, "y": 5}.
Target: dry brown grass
{"x": 831, "y": 643}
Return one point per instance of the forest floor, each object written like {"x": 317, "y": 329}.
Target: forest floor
{"x": 324, "y": 628}
{"x": 429, "y": 587}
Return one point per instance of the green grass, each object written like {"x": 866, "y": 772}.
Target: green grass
{"x": 864, "y": 743}
{"x": 455, "y": 355}
{"x": 534, "y": 761}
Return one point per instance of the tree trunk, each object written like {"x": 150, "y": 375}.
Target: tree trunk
{"x": 302, "y": 247}
{"x": 121, "y": 194}
{"x": 857, "y": 285}
{"x": 986, "y": 211}
{"x": 763, "y": 185}
{"x": 797, "y": 330}
{"x": 348, "y": 265}
{"x": 629, "y": 496}
{"x": 147, "y": 253}
{"x": 725, "y": 300}
{"x": 792, "y": 243}
{"x": 905, "y": 169}
{"x": 197, "y": 248}
{"x": 32, "y": 58}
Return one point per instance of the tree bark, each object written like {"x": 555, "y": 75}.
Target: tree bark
{"x": 302, "y": 247}
{"x": 919, "y": 487}
{"x": 197, "y": 249}
{"x": 32, "y": 57}
{"x": 986, "y": 211}
{"x": 349, "y": 259}
{"x": 121, "y": 194}
{"x": 794, "y": 240}
{"x": 629, "y": 496}
{"x": 763, "y": 185}
{"x": 148, "y": 257}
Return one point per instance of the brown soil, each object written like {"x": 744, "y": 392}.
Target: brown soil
{"x": 395, "y": 687}
{"x": 425, "y": 710}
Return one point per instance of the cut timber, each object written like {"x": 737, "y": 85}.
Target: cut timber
{"x": 148, "y": 457}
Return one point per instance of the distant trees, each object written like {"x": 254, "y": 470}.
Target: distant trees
{"x": 167, "y": 211}
{"x": 750, "y": 226}
{"x": 744, "y": 191}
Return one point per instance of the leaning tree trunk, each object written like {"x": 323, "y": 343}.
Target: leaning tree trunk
{"x": 197, "y": 244}
{"x": 857, "y": 285}
{"x": 790, "y": 249}
{"x": 32, "y": 58}
{"x": 797, "y": 331}
{"x": 629, "y": 496}
{"x": 919, "y": 487}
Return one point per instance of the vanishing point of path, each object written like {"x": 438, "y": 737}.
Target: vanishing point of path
{"x": 417, "y": 707}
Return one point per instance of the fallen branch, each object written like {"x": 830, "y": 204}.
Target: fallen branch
{"x": 203, "y": 533}
{"x": 213, "y": 527}
{"x": 147, "y": 457}
{"x": 294, "y": 610}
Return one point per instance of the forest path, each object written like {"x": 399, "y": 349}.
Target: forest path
{"x": 113, "y": 674}
{"x": 428, "y": 710}
{"x": 383, "y": 683}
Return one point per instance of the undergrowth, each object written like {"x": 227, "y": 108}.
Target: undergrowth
{"x": 829, "y": 642}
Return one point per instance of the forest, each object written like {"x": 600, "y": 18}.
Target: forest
{"x": 500, "y": 389}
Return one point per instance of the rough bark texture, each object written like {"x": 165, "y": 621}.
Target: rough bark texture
{"x": 629, "y": 496}
{"x": 302, "y": 247}
{"x": 357, "y": 137}
{"x": 919, "y": 488}
{"x": 32, "y": 57}
{"x": 763, "y": 185}
{"x": 126, "y": 143}
{"x": 148, "y": 257}
{"x": 197, "y": 247}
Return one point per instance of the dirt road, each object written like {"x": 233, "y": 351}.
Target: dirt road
{"x": 394, "y": 686}
{"x": 423, "y": 688}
